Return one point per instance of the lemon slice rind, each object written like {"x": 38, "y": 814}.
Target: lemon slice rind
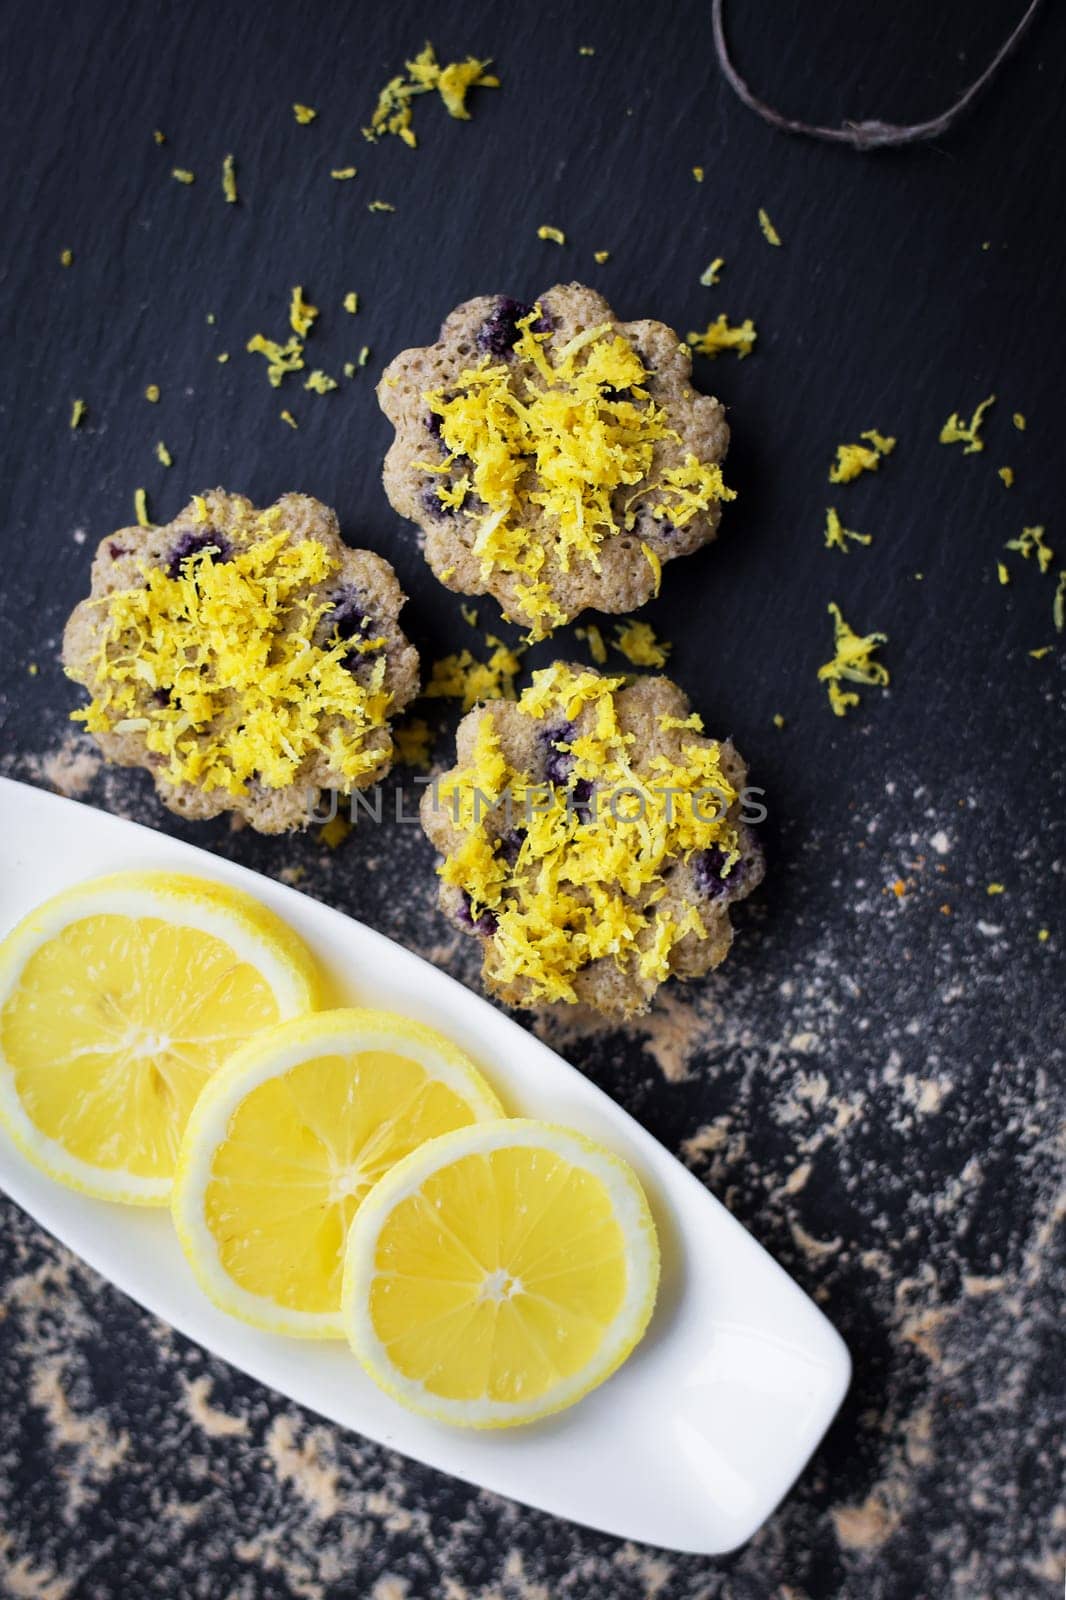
{"x": 228, "y": 914}
{"x": 270, "y": 1054}
{"x": 407, "y": 1177}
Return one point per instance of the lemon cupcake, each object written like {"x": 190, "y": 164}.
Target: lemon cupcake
{"x": 553, "y": 456}
{"x": 246, "y": 658}
{"x": 593, "y": 840}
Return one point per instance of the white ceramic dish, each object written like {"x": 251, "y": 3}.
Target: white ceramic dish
{"x": 689, "y": 1446}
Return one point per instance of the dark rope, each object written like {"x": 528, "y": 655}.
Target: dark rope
{"x": 867, "y": 135}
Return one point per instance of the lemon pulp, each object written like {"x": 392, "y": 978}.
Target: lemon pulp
{"x": 300, "y": 1153}
{"x": 499, "y": 1277}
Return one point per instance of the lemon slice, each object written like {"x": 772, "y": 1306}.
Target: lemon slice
{"x": 118, "y": 999}
{"x": 500, "y": 1273}
{"x": 286, "y": 1141}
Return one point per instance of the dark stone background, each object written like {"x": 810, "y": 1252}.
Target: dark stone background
{"x": 874, "y": 1085}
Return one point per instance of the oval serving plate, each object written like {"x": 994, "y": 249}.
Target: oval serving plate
{"x": 698, "y": 1436}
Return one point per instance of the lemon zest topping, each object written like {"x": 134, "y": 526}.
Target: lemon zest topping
{"x": 219, "y": 668}
{"x": 955, "y": 431}
{"x": 351, "y": 302}
{"x": 159, "y": 136}
{"x": 770, "y": 233}
{"x": 163, "y": 455}
{"x": 140, "y": 506}
{"x": 1032, "y": 545}
{"x": 1058, "y": 605}
{"x": 837, "y": 536}
{"x": 78, "y": 412}
{"x": 152, "y": 393}
{"x": 593, "y": 637}
{"x": 304, "y": 114}
{"x": 995, "y": 888}
{"x": 1003, "y": 573}
{"x": 229, "y": 180}
{"x": 281, "y": 358}
{"x": 600, "y": 256}
{"x": 697, "y": 173}
{"x": 363, "y": 357}
{"x": 469, "y": 614}
{"x": 462, "y": 677}
{"x": 1007, "y": 474}
{"x": 183, "y": 175}
{"x": 1044, "y": 650}
{"x": 852, "y": 661}
{"x": 320, "y": 382}
{"x": 553, "y": 235}
{"x": 638, "y": 643}
{"x": 222, "y": 357}
{"x": 413, "y": 741}
{"x": 711, "y": 274}
{"x": 586, "y": 50}
{"x": 585, "y": 885}
{"x": 560, "y": 443}
{"x": 1019, "y": 421}
{"x": 287, "y": 416}
{"x": 655, "y": 564}
{"x": 380, "y": 205}
{"x": 301, "y": 313}
{"x": 853, "y": 459}
{"x": 393, "y": 112}
{"x": 721, "y": 335}
{"x": 66, "y": 258}
{"x": 779, "y": 721}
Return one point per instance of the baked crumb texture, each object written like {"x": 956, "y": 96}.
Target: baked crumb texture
{"x": 247, "y": 659}
{"x": 592, "y": 840}
{"x": 552, "y": 456}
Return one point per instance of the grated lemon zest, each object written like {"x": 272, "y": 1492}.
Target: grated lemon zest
{"x": 853, "y": 459}
{"x": 698, "y": 174}
{"x": 159, "y": 136}
{"x": 1007, "y": 475}
{"x": 721, "y": 335}
{"x": 553, "y": 235}
{"x": 1002, "y": 572}
{"x": 183, "y": 175}
{"x": 78, "y": 412}
{"x": 1058, "y": 605}
{"x": 163, "y": 455}
{"x": 1019, "y": 421}
{"x": 638, "y": 643}
{"x": 301, "y": 313}
{"x": 66, "y": 258}
{"x": 600, "y": 256}
{"x": 583, "y": 888}
{"x": 1032, "y": 545}
{"x": 304, "y": 114}
{"x": 229, "y": 180}
{"x": 320, "y": 382}
{"x": 380, "y": 205}
{"x": 852, "y": 661}
{"x": 955, "y": 431}
{"x": 837, "y": 536}
{"x": 351, "y": 302}
{"x": 140, "y": 506}
{"x": 453, "y": 82}
{"x": 770, "y": 233}
{"x": 287, "y": 416}
{"x": 462, "y": 677}
{"x": 248, "y": 690}
{"x": 561, "y": 442}
{"x": 343, "y": 174}
{"x": 152, "y": 393}
{"x": 711, "y": 274}
{"x": 593, "y": 637}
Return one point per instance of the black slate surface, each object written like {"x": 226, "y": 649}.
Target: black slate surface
{"x": 873, "y": 1082}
